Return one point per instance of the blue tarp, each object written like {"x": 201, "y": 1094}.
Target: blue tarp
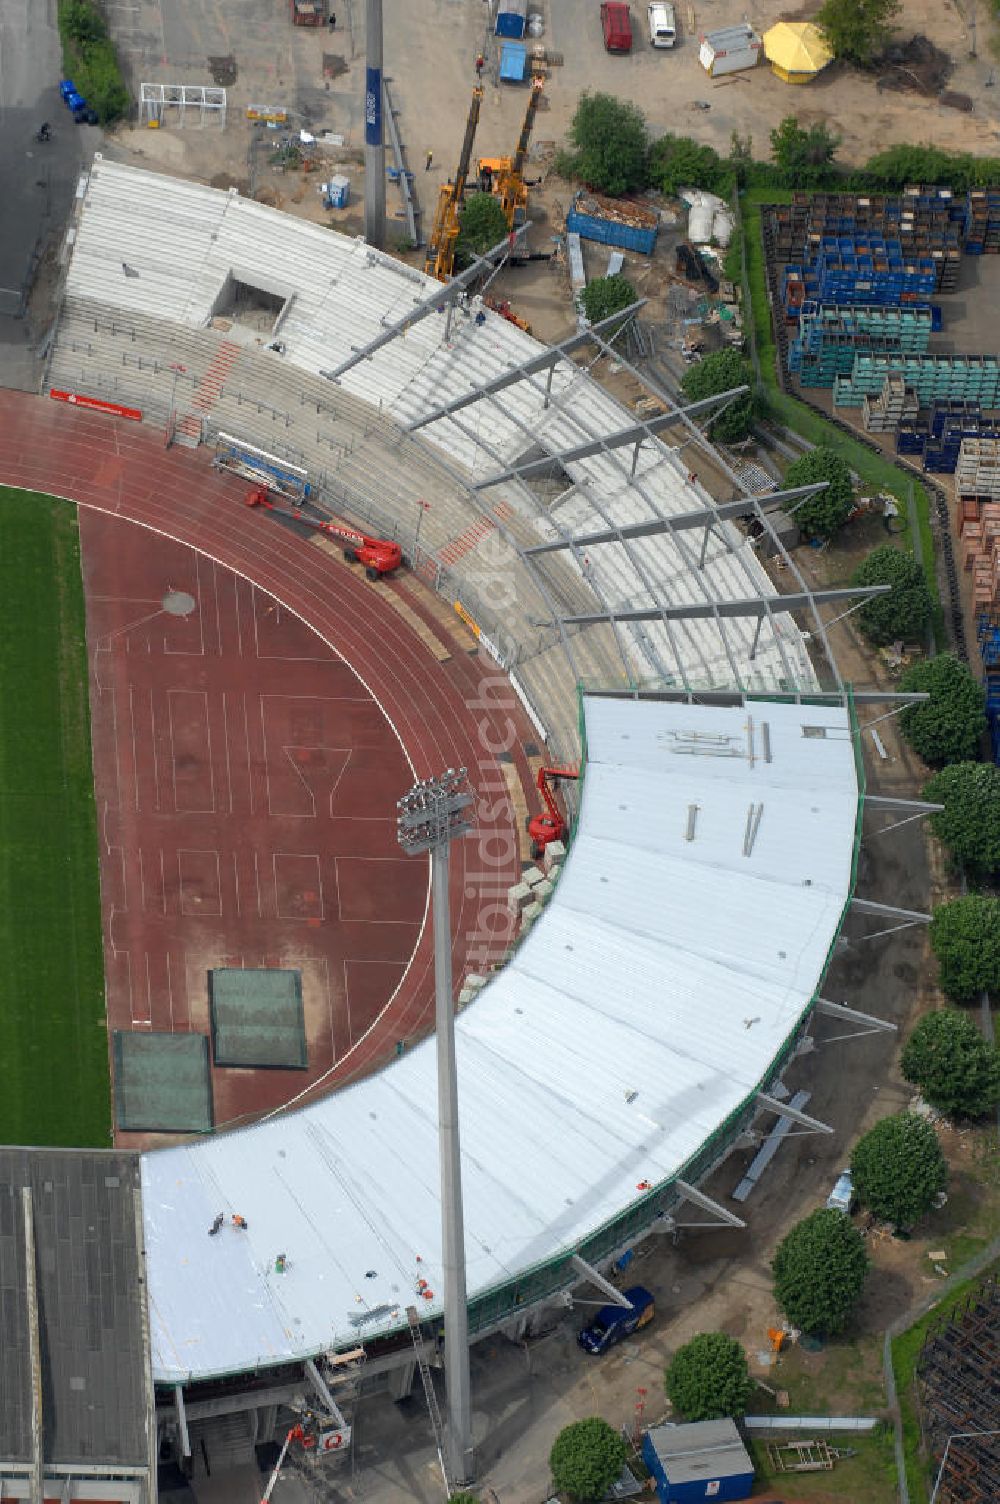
{"x": 513, "y": 62}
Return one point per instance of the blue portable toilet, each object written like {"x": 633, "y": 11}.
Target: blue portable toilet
{"x": 706, "y": 1460}
{"x": 511, "y": 18}
{"x": 513, "y": 63}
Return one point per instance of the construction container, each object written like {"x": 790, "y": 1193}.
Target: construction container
{"x": 705, "y": 1460}
{"x": 513, "y": 63}
{"x": 613, "y": 222}
{"x": 730, "y": 50}
{"x": 511, "y": 18}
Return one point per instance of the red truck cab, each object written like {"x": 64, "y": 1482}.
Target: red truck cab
{"x": 617, "y": 26}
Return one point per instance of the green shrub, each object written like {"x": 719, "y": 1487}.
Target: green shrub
{"x": 906, "y": 612}
{"x": 482, "y": 224}
{"x": 948, "y": 727}
{"x": 722, "y": 372}
{"x": 607, "y": 295}
{"x": 824, "y": 514}
{"x": 956, "y": 1069}
{"x": 898, "y": 1168}
{"x": 819, "y": 1270}
{"x": 587, "y": 1458}
{"x": 677, "y": 162}
{"x": 89, "y": 58}
{"x": 708, "y": 1378}
{"x": 608, "y": 145}
{"x": 965, "y": 938}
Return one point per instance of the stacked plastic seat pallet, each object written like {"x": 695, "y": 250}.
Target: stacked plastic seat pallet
{"x": 933, "y": 377}
{"x": 926, "y": 221}
{"x": 982, "y": 222}
{"x": 882, "y": 414}
{"x": 831, "y": 335}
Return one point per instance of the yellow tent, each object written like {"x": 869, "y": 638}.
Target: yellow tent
{"x": 796, "y": 50}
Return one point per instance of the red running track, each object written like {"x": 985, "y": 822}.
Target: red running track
{"x": 457, "y": 713}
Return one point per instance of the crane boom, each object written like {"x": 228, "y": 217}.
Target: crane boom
{"x": 521, "y": 153}
{"x": 440, "y": 258}
{"x": 550, "y": 827}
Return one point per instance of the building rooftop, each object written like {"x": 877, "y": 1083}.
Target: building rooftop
{"x": 689, "y": 931}
{"x": 95, "y": 1399}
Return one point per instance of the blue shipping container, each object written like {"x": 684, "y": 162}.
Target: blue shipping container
{"x": 706, "y": 1460}
{"x": 513, "y": 62}
{"x": 511, "y": 18}
{"x": 610, "y": 232}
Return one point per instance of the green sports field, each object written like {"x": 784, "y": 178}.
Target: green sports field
{"x": 53, "y": 1033}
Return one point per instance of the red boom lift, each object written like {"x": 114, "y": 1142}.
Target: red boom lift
{"x": 380, "y": 556}
{"x": 551, "y": 826}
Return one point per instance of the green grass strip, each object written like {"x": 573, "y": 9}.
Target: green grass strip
{"x": 53, "y": 1030}
{"x": 877, "y": 473}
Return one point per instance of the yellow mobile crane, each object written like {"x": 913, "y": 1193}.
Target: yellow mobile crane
{"x": 504, "y": 176}
{"x": 440, "y": 258}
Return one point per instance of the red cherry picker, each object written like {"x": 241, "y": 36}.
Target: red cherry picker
{"x": 552, "y": 825}
{"x": 380, "y": 556}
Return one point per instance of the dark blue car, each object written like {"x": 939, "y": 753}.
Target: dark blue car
{"x": 612, "y": 1323}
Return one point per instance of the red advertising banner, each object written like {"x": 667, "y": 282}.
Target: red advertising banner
{"x": 76, "y": 399}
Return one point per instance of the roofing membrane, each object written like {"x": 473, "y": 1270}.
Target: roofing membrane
{"x": 640, "y": 1012}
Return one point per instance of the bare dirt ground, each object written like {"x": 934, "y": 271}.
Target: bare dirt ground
{"x": 318, "y": 76}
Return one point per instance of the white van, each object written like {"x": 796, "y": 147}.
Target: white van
{"x": 662, "y": 24}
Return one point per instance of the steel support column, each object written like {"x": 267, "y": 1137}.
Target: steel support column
{"x": 681, "y": 522}
{"x": 548, "y": 360}
{"x": 698, "y": 1198}
{"x": 784, "y": 1111}
{"x": 443, "y": 297}
{"x": 374, "y": 148}
{"x": 752, "y": 606}
{"x": 621, "y": 438}
{"x": 605, "y": 1286}
{"x": 854, "y": 1016}
{"x": 887, "y": 911}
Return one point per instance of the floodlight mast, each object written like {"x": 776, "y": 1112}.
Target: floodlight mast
{"x": 429, "y": 818}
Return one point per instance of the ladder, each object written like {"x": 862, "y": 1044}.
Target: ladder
{"x": 427, "y": 1380}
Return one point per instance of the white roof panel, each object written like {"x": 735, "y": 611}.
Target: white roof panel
{"x": 641, "y": 1011}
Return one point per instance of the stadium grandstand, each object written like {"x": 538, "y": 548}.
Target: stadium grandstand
{"x": 640, "y": 1029}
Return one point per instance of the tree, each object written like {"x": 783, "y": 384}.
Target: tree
{"x": 803, "y": 155}
{"x": 481, "y": 225}
{"x": 721, "y": 372}
{"x": 906, "y": 612}
{"x": 946, "y": 728}
{"x": 677, "y": 162}
{"x": 611, "y": 145}
{"x": 464, "y": 1496}
{"x": 965, "y": 938}
{"x": 587, "y": 1458}
{"x": 819, "y": 1270}
{"x": 898, "y": 1168}
{"x": 740, "y": 159}
{"x": 857, "y": 29}
{"x": 607, "y": 295}
{"x": 824, "y": 514}
{"x": 708, "y": 1378}
{"x": 969, "y": 824}
{"x": 957, "y": 1071}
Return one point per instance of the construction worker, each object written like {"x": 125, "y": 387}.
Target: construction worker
{"x": 480, "y": 65}
{"x": 280, "y": 1264}
{"x": 239, "y": 1222}
{"x": 216, "y": 1225}
{"x": 427, "y": 164}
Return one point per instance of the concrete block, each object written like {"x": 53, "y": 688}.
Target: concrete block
{"x": 554, "y": 852}
{"x": 553, "y": 872}
{"x": 474, "y": 981}
{"x": 532, "y": 876}
{"x": 543, "y": 891}
{"x": 517, "y": 897}
{"x": 529, "y": 915}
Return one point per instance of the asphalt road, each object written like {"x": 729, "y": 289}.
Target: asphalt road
{"x": 36, "y": 181}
